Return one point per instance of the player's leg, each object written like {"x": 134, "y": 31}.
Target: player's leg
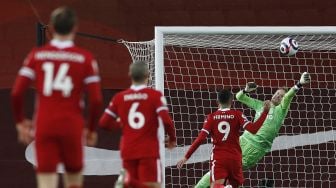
{"x": 72, "y": 157}
{"x": 219, "y": 172}
{"x": 236, "y": 177}
{"x": 247, "y": 152}
{"x": 47, "y": 180}
{"x": 204, "y": 182}
{"x": 150, "y": 172}
{"x": 129, "y": 176}
{"x": 47, "y": 155}
{"x": 73, "y": 180}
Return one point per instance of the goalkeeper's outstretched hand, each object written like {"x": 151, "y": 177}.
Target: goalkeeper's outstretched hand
{"x": 305, "y": 78}
{"x": 250, "y": 86}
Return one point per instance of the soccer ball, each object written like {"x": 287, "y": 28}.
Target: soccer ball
{"x": 288, "y": 47}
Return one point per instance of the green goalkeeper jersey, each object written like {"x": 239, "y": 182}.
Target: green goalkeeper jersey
{"x": 263, "y": 139}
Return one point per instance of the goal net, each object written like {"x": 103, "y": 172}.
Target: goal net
{"x": 194, "y": 63}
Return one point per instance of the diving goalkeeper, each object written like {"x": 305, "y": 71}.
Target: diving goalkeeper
{"x": 256, "y": 146}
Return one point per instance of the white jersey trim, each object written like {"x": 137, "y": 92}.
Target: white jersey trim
{"x": 224, "y": 109}
{"x": 245, "y": 124}
{"x": 161, "y": 108}
{"x": 91, "y": 79}
{"x": 109, "y": 112}
{"x": 138, "y": 87}
{"x": 27, "y": 72}
{"x": 61, "y": 44}
{"x": 205, "y": 131}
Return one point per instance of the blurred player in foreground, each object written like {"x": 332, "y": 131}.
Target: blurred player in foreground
{"x": 256, "y": 146}
{"x": 61, "y": 72}
{"x": 224, "y": 126}
{"x": 141, "y": 111}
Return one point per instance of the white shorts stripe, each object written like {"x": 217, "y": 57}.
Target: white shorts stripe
{"x": 158, "y": 164}
{"x": 27, "y": 72}
{"x": 91, "y": 79}
{"x": 161, "y": 108}
{"x": 213, "y": 171}
{"x": 109, "y": 112}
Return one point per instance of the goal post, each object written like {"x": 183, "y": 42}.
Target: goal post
{"x": 190, "y": 64}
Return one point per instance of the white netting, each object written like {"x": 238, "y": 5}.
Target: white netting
{"x": 197, "y": 65}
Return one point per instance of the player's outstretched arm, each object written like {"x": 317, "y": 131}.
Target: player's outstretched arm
{"x": 287, "y": 99}
{"x": 201, "y": 137}
{"x": 245, "y": 99}
{"x": 254, "y": 127}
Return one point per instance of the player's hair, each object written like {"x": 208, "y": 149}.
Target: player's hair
{"x": 283, "y": 88}
{"x": 138, "y": 71}
{"x": 224, "y": 96}
{"x": 63, "y": 19}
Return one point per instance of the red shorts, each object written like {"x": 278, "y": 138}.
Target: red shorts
{"x": 52, "y": 149}
{"x": 145, "y": 169}
{"x": 227, "y": 169}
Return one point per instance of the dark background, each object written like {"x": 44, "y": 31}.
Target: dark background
{"x": 132, "y": 20}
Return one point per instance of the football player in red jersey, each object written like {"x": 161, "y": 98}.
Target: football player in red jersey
{"x": 224, "y": 126}
{"x": 141, "y": 111}
{"x": 61, "y": 72}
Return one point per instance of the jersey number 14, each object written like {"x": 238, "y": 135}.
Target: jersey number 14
{"x": 62, "y": 81}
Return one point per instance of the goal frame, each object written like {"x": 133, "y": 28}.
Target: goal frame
{"x": 160, "y": 31}
{"x": 241, "y": 30}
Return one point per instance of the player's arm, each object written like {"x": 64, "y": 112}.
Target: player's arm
{"x": 163, "y": 113}
{"x": 245, "y": 99}
{"x": 287, "y": 99}
{"x": 253, "y": 127}
{"x": 199, "y": 140}
{"x": 92, "y": 83}
{"x": 110, "y": 119}
{"x": 25, "y": 76}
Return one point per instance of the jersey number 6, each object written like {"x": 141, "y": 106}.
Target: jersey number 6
{"x": 136, "y": 119}
{"x": 224, "y": 127}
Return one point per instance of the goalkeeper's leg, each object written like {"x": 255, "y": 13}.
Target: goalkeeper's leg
{"x": 204, "y": 182}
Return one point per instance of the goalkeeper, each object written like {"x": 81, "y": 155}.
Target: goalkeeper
{"x": 256, "y": 146}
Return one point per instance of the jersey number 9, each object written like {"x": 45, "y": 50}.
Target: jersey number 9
{"x": 224, "y": 127}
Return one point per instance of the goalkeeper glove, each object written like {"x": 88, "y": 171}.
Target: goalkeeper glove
{"x": 250, "y": 86}
{"x": 305, "y": 79}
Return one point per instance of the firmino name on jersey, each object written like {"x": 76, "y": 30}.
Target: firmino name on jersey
{"x": 136, "y": 96}
{"x": 224, "y": 116}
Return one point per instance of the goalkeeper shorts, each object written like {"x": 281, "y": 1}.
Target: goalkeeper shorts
{"x": 251, "y": 154}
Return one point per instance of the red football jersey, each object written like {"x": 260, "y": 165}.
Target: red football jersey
{"x": 224, "y": 126}
{"x": 141, "y": 111}
{"x": 61, "y": 71}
